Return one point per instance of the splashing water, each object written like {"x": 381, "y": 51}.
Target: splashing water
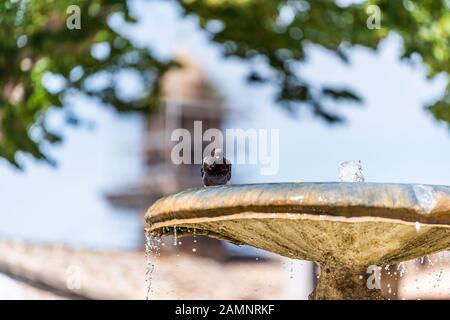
{"x": 425, "y": 197}
{"x": 351, "y": 171}
{"x": 418, "y": 226}
{"x": 152, "y": 251}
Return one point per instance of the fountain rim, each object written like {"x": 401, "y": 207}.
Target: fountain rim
{"x": 340, "y": 205}
{"x": 427, "y": 204}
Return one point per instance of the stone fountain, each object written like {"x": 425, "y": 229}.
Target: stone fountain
{"x": 344, "y": 227}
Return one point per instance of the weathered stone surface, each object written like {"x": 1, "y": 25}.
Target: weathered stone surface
{"x": 44, "y": 271}
{"x": 341, "y": 226}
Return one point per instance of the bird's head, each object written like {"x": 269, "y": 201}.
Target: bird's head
{"x": 218, "y": 153}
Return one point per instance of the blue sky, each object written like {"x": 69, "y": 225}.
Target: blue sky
{"x": 396, "y": 140}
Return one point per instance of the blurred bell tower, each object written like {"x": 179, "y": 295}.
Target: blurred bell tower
{"x": 188, "y": 97}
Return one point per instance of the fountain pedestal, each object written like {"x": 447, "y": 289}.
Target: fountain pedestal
{"x": 343, "y": 283}
{"x": 345, "y": 227}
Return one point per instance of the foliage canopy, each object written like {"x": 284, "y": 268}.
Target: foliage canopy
{"x": 35, "y": 43}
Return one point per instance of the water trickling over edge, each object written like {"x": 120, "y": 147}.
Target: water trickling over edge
{"x": 152, "y": 252}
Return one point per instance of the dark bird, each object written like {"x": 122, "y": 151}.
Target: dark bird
{"x": 216, "y": 170}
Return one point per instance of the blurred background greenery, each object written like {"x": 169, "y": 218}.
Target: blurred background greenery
{"x": 35, "y": 43}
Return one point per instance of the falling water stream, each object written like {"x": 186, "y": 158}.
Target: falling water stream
{"x": 175, "y": 236}
{"x": 152, "y": 251}
{"x": 194, "y": 241}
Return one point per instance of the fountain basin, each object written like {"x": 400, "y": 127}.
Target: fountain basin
{"x": 344, "y": 227}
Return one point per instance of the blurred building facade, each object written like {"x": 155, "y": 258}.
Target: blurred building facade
{"x": 188, "y": 97}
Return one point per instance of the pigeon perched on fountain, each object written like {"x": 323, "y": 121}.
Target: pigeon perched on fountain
{"x": 216, "y": 170}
